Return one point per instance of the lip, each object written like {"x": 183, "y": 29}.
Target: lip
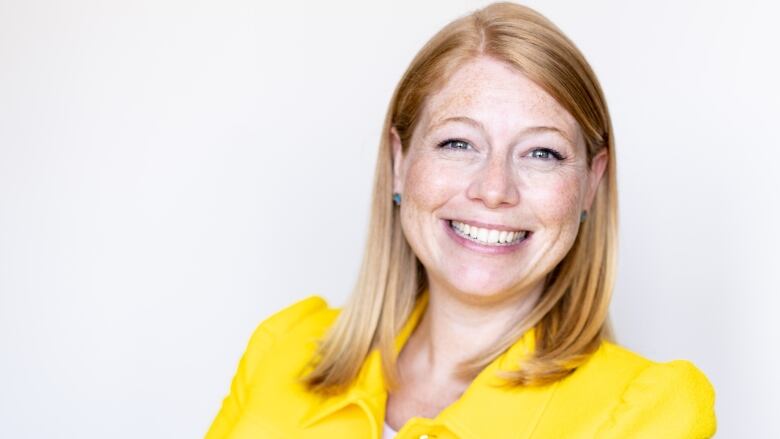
{"x": 486, "y": 225}
{"x": 485, "y": 249}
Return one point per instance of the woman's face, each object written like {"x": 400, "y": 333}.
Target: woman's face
{"x": 493, "y": 182}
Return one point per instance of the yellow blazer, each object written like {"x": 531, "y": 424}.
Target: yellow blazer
{"x": 615, "y": 394}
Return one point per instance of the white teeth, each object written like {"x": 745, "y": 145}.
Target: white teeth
{"x": 487, "y": 236}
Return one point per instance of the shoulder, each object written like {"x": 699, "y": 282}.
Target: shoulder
{"x": 652, "y": 377}
{"x": 671, "y": 399}
{"x": 297, "y": 325}
{"x": 307, "y": 311}
{"x": 265, "y": 380}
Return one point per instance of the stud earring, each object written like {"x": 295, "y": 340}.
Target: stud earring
{"x": 583, "y": 216}
{"x": 397, "y": 198}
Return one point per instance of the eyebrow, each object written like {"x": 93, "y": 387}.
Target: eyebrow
{"x": 477, "y": 124}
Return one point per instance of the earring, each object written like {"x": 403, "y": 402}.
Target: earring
{"x": 397, "y": 198}
{"x": 583, "y": 216}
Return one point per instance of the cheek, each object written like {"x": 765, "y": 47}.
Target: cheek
{"x": 426, "y": 187}
{"x": 558, "y": 201}
{"x": 428, "y": 184}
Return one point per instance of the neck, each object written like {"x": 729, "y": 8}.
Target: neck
{"x": 456, "y": 327}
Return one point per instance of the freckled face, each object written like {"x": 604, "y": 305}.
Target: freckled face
{"x": 494, "y": 151}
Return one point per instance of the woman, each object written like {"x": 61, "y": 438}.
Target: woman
{"x": 480, "y": 309}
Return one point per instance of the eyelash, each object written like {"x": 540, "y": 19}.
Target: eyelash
{"x": 449, "y": 141}
{"x": 555, "y": 154}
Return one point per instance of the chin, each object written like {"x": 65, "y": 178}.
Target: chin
{"x": 479, "y": 283}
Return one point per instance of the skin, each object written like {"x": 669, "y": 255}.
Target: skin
{"x": 499, "y": 173}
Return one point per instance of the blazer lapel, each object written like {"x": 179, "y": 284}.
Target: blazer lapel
{"x": 368, "y": 392}
{"x": 487, "y": 406}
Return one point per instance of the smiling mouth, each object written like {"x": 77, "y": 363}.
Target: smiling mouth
{"x": 489, "y": 237}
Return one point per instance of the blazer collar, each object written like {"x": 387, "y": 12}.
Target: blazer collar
{"x": 483, "y": 406}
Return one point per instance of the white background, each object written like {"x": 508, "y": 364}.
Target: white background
{"x": 172, "y": 172}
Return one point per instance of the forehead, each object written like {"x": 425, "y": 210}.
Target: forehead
{"x": 499, "y": 96}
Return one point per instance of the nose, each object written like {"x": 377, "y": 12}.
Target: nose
{"x": 495, "y": 185}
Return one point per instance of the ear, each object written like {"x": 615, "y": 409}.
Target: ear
{"x": 398, "y": 157}
{"x": 598, "y": 165}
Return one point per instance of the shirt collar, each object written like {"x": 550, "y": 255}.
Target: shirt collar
{"x": 483, "y": 406}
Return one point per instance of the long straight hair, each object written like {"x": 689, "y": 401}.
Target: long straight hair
{"x": 571, "y": 316}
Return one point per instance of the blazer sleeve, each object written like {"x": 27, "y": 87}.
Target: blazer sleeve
{"x": 260, "y": 344}
{"x": 669, "y": 400}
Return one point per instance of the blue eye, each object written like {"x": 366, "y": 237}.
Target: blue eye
{"x": 454, "y": 144}
{"x": 546, "y": 154}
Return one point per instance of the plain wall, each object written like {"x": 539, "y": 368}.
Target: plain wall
{"x": 172, "y": 172}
